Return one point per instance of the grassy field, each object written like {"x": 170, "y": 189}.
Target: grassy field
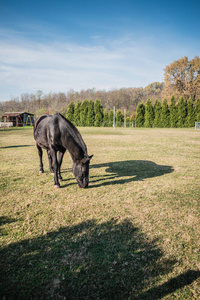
{"x": 132, "y": 234}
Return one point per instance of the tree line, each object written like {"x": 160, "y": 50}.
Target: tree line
{"x": 184, "y": 113}
{"x": 124, "y": 98}
{"x": 92, "y": 113}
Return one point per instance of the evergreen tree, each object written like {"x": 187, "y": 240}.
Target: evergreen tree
{"x": 98, "y": 109}
{"x": 182, "y": 112}
{"x": 110, "y": 118}
{"x": 165, "y": 114}
{"x": 173, "y": 113}
{"x": 105, "y": 118}
{"x": 157, "y": 113}
{"x": 149, "y": 114}
{"x": 197, "y": 110}
{"x": 84, "y": 113}
{"x": 128, "y": 122}
{"x": 132, "y": 120}
{"x": 119, "y": 118}
{"x": 190, "y": 119}
{"x": 90, "y": 115}
{"x": 140, "y": 112}
{"x": 77, "y": 110}
{"x": 70, "y": 112}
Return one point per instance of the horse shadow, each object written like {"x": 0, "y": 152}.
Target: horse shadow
{"x": 121, "y": 172}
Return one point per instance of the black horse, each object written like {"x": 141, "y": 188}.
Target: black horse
{"x": 57, "y": 134}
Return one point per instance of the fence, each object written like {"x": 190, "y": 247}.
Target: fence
{"x": 117, "y": 124}
{"x": 125, "y": 124}
{"x": 197, "y": 125}
{"x": 6, "y": 124}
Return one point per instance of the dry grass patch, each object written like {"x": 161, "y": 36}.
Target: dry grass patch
{"x": 133, "y": 234}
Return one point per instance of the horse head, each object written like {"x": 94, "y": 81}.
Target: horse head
{"x": 81, "y": 171}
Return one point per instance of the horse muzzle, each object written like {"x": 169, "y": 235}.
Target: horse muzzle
{"x": 83, "y": 184}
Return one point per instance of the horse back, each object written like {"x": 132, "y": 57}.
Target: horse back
{"x": 38, "y": 120}
{"x": 48, "y": 132}
{"x": 57, "y": 131}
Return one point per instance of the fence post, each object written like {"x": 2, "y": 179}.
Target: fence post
{"x": 124, "y": 118}
{"x": 197, "y": 125}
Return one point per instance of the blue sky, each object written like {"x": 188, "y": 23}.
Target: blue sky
{"x": 55, "y": 46}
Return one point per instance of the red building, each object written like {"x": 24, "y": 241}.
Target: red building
{"x": 19, "y": 118}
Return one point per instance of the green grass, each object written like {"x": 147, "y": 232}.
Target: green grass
{"x": 132, "y": 234}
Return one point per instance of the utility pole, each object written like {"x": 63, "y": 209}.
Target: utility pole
{"x": 114, "y": 117}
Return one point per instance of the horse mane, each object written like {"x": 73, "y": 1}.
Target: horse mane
{"x": 73, "y": 131}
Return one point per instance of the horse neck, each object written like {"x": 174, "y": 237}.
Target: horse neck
{"x": 75, "y": 134}
{"x": 74, "y": 149}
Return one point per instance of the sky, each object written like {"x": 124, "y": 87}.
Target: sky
{"x": 64, "y": 45}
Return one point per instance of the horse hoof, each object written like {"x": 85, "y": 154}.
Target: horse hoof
{"x": 56, "y": 186}
{"x": 52, "y": 174}
{"x": 40, "y": 172}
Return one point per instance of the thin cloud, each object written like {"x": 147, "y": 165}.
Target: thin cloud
{"x": 28, "y": 65}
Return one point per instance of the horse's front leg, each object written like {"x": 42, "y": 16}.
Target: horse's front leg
{"x": 40, "y": 153}
{"x": 50, "y": 162}
{"x": 60, "y": 159}
{"x": 53, "y": 154}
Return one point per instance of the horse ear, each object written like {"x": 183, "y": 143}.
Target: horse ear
{"x": 86, "y": 159}
{"x": 90, "y": 157}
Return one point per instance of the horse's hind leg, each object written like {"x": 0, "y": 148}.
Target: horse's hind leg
{"x": 50, "y": 162}
{"x": 40, "y": 152}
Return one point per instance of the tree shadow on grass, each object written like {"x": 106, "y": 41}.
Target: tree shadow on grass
{"x": 3, "y": 221}
{"x": 6, "y": 220}
{"x": 170, "y": 286}
{"x": 16, "y": 146}
{"x": 121, "y": 172}
{"x": 111, "y": 260}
